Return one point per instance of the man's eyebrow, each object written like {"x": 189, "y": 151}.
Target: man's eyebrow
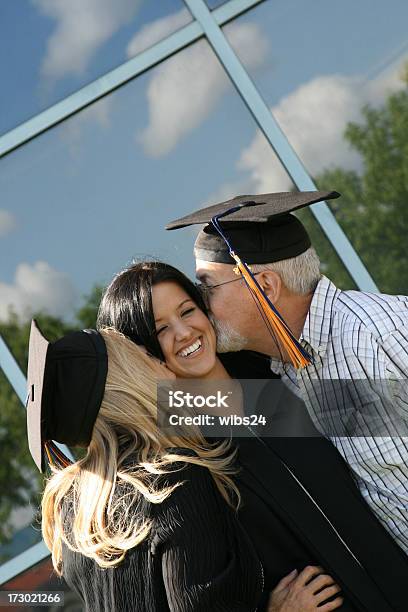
{"x": 189, "y": 299}
{"x": 203, "y": 277}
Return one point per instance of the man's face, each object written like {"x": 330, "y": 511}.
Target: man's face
{"x": 232, "y": 308}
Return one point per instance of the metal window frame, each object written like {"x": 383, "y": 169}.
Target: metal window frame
{"x": 206, "y": 24}
{"x": 119, "y": 76}
{"x": 280, "y": 144}
{"x": 22, "y": 562}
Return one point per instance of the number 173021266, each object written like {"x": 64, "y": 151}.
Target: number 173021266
{"x": 31, "y": 598}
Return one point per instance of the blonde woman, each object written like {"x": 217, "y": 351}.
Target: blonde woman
{"x": 141, "y": 522}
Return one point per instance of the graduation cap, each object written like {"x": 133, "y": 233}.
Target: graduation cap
{"x": 65, "y": 384}
{"x": 257, "y": 229}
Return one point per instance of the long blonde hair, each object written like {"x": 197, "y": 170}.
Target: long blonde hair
{"x": 121, "y": 464}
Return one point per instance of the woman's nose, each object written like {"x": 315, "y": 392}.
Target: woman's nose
{"x": 183, "y": 331}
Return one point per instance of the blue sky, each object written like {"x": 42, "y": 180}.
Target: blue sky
{"x": 83, "y": 199}
{"x": 26, "y": 29}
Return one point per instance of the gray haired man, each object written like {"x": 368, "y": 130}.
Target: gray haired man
{"x": 354, "y": 386}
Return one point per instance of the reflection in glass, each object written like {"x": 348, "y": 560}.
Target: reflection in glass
{"x": 342, "y": 101}
{"x": 55, "y": 48}
{"x": 19, "y": 480}
{"x": 96, "y": 191}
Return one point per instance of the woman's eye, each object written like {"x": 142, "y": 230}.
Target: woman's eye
{"x": 188, "y": 311}
{"x": 161, "y": 329}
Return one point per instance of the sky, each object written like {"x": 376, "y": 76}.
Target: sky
{"x": 82, "y": 200}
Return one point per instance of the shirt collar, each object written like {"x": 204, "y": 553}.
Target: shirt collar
{"x": 316, "y": 330}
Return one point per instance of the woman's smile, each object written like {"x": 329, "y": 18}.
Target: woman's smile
{"x": 193, "y": 350}
{"x": 185, "y": 334}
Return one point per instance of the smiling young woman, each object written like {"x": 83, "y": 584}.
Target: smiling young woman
{"x": 185, "y": 334}
{"x": 156, "y": 306}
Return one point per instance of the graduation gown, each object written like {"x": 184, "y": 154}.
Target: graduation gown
{"x": 302, "y": 507}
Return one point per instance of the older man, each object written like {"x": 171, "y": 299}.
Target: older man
{"x": 354, "y": 382}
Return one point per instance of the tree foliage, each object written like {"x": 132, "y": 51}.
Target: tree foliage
{"x": 373, "y": 210}
{"x": 20, "y": 481}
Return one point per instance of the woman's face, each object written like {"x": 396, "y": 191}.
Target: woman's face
{"x": 186, "y": 336}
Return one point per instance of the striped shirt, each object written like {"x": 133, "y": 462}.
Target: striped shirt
{"x": 355, "y": 391}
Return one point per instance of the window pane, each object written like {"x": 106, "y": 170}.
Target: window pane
{"x": 41, "y": 577}
{"x": 20, "y": 481}
{"x": 86, "y": 197}
{"x": 335, "y": 83}
{"x": 54, "y": 48}
{"x": 96, "y": 191}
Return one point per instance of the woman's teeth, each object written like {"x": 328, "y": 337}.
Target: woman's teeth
{"x": 190, "y": 349}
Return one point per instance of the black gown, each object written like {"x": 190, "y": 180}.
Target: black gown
{"x": 197, "y": 557}
{"x": 302, "y": 506}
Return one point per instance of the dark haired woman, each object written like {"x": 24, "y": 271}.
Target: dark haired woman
{"x": 300, "y": 505}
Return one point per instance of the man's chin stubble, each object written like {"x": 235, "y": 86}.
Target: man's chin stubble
{"x": 228, "y": 340}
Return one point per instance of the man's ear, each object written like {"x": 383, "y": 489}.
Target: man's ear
{"x": 271, "y": 283}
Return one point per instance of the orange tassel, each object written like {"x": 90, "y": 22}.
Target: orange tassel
{"x": 284, "y": 336}
{"x": 55, "y": 456}
{"x": 49, "y": 456}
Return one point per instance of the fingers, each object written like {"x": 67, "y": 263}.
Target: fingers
{"x": 316, "y": 586}
{"x": 332, "y": 605}
{"x": 285, "y": 582}
{"x": 327, "y": 593}
{"x": 310, "y": 572}
{"x": 321, "y": 581}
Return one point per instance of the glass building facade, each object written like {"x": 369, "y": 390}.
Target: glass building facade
{"x": 116, "y": 117}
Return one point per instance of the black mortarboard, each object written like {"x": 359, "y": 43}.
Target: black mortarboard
{"x": 262, "y": 230}
{"x": 257, "y": 229}
{"x": 65, "y": 383}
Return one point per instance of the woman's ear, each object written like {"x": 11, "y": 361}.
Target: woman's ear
{"x": 271, "y": 284}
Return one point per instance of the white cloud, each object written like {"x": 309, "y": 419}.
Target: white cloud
{"x": 184, "y": 90}
{"x": 152, "y": 33}
{"x": 37, "y": 287}
{"x": 313, "y": 117}
{"x": 7, "y": 222}
{"x": 248, "y": 42}
{"x": 386, "y": 82}
{"x": 82, "y": 27}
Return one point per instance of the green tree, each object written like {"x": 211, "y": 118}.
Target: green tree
{"x": 373, "y": 210}
{"x": 20, "y": 481}
{"x": 86, "y": 315}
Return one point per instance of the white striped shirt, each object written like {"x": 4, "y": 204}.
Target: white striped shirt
{"x": 356, "y": 391}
